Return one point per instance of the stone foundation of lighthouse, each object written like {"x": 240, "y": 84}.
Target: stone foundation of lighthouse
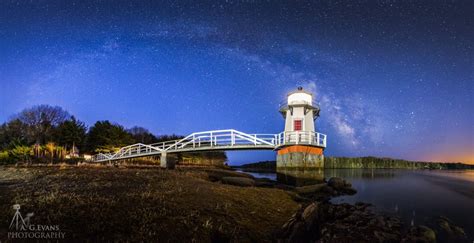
{"x": 300, "y": 156}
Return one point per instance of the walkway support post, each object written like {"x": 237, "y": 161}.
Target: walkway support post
{"x": 163, "y": 160}
{"x": 166, "y": 161}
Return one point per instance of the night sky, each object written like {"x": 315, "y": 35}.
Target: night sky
{"x": 393, "y": 78}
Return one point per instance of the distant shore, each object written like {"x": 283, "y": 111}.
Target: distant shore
{"x": 362, "y": 163}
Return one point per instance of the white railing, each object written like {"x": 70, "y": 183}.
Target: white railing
{"x": 221, "y": 138}
{"x": 300, "y": 137}
{"x": 216, "y": 140}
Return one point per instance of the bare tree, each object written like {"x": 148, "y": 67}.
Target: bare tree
{"x": 142, "y": 135}
{"x": 41, "y": 120}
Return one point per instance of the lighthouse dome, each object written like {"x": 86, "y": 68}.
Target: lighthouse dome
{"x": 300, "y": 97}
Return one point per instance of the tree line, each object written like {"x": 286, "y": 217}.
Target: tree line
{"x": 45, "y": 133}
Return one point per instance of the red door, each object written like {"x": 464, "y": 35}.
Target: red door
{"x": 297, "y": 125}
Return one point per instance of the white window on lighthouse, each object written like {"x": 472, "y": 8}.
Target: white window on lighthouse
{"x": 297, "y": 123}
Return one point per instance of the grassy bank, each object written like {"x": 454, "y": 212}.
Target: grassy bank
{"x": 141, "y": 204}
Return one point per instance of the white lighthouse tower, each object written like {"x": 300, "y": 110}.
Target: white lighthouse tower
{"x": 299, "y": 111}
{"x": 301, "y": 146}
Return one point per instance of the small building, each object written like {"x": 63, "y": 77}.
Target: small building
{"x": 87, "y": 157}
{"x": 73, "y": 153}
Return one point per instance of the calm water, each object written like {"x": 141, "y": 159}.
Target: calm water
{"x": 415, "y": 195}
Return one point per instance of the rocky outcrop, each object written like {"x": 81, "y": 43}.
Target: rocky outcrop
{"x": 299, "y": 228}
{"x": 326, "y": 222}
{"x": 336, "y": 183}
{"x": 341, "y": 186}
{"x": 324, "y": 191}
{"x": 311, "y": 188}
{"x": 447, "y": 231}
{"x": 339, "y": 223}
{"x": 238, "y": 178}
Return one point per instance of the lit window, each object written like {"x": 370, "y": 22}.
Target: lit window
{"x": 297, "y": 125}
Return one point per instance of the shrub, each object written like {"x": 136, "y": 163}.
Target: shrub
{"x": 20, "y": 154}
{"x": 4, "y": 158}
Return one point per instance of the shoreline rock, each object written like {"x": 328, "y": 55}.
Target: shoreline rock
{"x": 420, "y": 233}
{"x": 328, "y": 222}
{"x": 324, "y": 191}
{"x": 447, "y": 231}
{"x": 238, "y": 181}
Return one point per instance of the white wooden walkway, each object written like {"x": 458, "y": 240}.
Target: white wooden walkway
{"x": 229, "y": 139}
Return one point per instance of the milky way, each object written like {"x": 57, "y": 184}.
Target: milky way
{"x": 392, "y": 78}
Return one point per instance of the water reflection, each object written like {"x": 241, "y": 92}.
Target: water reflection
{"x": 300, "y": 177}
{"x": 417, "y": 196}
{"x": 360, "y": 173}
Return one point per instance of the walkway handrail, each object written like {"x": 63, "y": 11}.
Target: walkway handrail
{"x": 215, "y": 140}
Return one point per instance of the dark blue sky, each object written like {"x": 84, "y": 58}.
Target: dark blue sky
{"x": 393, "y": 78}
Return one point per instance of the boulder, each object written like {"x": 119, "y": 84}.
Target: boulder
{"x": 449, "y": 230}
{"x": 238, "y": 181}
{"x": 264, "y": 182}
{"x": 393, "y": 222}
{"x": 444, "y": 225}
{"x": 287, "y": 228}
{"x": 302, "y": 226}
{"x": 347, "y": 184}
{"x": 458, "y": 231}
{"x": 298, "y": 233}
{"x": 328, "y": 189}
{"x": 310, "y": 188}
{"x": 310, "y": 215}
{"x": 349, "y": 191}
{"x": 420, "y": 234}
{"x": 336, "y": 183}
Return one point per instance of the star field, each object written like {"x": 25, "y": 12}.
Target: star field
{"x": 393, "y": 78}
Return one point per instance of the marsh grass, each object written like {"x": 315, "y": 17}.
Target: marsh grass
{"x": 142, "y": 204}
